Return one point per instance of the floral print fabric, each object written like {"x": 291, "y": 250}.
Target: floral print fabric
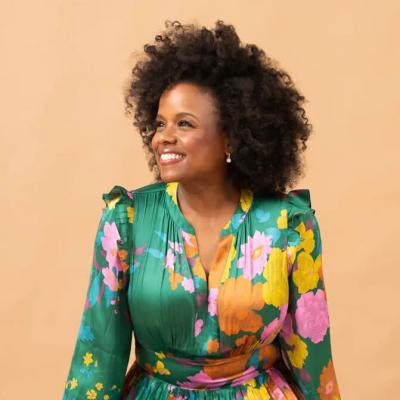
{"x": 257, "y": 327}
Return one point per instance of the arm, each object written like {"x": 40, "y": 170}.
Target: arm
{"x": 305, "y": 337}
{"x": 102, "y": 349}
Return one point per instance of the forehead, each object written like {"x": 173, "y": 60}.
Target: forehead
{"x": 187, "y": 97}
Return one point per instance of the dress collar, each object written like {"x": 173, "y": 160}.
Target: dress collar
{"x": 243, "y": 207}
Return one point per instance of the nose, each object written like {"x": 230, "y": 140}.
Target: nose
{"x": 165, "y": 135}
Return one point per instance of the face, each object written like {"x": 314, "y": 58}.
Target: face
{"x": 187, "y": 125}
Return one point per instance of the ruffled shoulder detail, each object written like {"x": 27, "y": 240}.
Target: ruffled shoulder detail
{"x": 299, "y": 209}
{"x": 121, "y": 201}
{"x": 299, "y": 201}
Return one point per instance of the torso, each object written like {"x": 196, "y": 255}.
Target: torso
{"x": 208, "y": 238}
{"x": 207, "y": 241}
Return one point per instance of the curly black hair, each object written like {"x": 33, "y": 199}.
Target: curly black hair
{"x": 259, "y": 106}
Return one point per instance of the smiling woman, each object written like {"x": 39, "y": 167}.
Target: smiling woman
{"x": 214, "y": 268}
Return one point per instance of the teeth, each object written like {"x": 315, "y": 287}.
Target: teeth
{"x": 171, "y": 156}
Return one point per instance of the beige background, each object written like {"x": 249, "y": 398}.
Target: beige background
{"x": 65, "y": 141}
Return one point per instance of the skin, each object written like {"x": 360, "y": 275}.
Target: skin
{"x": 206, "y": 196}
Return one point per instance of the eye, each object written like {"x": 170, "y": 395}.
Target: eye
{"x": 186, "y": 122}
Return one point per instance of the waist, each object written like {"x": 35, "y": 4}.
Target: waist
{"x": 204, "y": 372}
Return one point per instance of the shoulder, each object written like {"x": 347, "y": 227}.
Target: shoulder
{"x": 298, "y": 201}
{"x": 119, "y": 194}
{"x": 299, "y": 207}
{"x": 119, "y": 205}
{"x": 122, "y": 202}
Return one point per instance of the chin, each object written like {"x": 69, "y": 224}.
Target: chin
{"x": 170, "y": 176}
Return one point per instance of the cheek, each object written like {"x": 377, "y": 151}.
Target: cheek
{"x": 204, "y": 151}
{"x": 153, "y": 142}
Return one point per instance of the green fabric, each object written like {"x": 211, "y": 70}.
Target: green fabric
{"x": 257, "y": 328}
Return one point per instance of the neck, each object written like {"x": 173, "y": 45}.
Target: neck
{"x": 207, "y": 199}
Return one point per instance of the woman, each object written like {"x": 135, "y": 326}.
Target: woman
{"x": 214, "y": 268}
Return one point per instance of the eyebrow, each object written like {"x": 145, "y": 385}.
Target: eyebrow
{"x": 179, "y": 114}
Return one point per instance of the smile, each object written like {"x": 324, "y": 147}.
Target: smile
{"x": 170, "y": 158}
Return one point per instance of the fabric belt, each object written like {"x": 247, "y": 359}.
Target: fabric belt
{"x": 205, "y": 372}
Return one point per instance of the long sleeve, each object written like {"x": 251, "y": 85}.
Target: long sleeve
{"x": 103, "y": 345}
{"x": 305, "y": 337}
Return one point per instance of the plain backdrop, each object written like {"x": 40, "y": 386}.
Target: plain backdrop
{"x": 65, "y": 140}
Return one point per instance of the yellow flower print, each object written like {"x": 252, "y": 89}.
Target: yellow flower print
{"x": 306, "y": 275}
{"x": 291, "y": 254}
{"x": 160, "y": 368}
{"x": 88, "y": 358}
{"x": 308, "y": 242}
{"x": 111, "y": 203}
{"x": 282, "y": 221}
{"x": 131, "y": 212}
{"x": 106, "y": 397}
{"x": 160, "y": 354}
{"x": 91, "y": 394}
{"x": 171, "y": 189}
{"x": 246, "y": 197}
{"x": 276, "y": 289}
{"x": 251, "y": 382}
{"x": 299, "y": 353}
{"x": 74, "y": 383}
{"x": 99, "y": 386}
{"x": 231, "y": 256}
{"x": 255, "y": 394}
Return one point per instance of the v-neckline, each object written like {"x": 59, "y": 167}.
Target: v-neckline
{"x": 243, "y": 206}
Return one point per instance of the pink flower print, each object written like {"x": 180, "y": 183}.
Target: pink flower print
{"x": 287, "y": 330}
{"x": 212, "y": 301}
{"x": 109, "y": 244}
{"x": 255, "y": 252}
{"x": 188, "y": 284}
{"x": 248, "y": 374}
{"x": 270, "y": 331}
{"x": 198, "y": 325}
{"x": 110, "y": 279}
{"x": 187, "y": 237}
{"x": 281, "y": 385}
{"x": 170, "y": 260}
{"x": 312, "y": 316}
{"x": 175, "y": 246}
{"x": 200, "y": 379}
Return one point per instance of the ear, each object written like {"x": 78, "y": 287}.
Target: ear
{"x": 227, "y": 146}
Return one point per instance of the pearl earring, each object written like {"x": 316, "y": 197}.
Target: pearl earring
{"x": 228, "y": 160}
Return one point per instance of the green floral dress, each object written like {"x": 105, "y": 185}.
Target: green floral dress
{"x": 256, "y": 328}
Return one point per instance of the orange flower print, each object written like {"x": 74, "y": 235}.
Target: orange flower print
{"x": 122, "y": 255}
{"x": 328, "y": 388}
{"x": 212, "y": 346}
{"x": 245, "y": 341}
{"x": 174, "y": 279}
{"x": 231, "y": 367}
{"x": 236, "y": 301}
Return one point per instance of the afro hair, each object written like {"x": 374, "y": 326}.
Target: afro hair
{"x": 259, "y": 106}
